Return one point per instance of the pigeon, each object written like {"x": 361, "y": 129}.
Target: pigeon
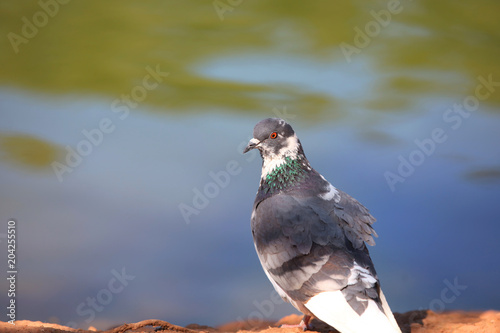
{"x": 311, "y": 238}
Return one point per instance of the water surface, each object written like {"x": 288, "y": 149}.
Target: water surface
{"x": 148, "y": 143}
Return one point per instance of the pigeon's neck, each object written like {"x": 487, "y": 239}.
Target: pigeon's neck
{"x": 280, "y": 173}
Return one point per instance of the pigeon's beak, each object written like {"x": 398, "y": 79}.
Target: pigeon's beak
{"x": 252, "y": 144}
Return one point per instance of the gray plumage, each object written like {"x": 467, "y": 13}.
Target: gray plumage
{"x": 309, "y": 245}
{"x": 309, "y": 236}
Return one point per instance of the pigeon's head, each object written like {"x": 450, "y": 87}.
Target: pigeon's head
{"x": 274, "y": 138}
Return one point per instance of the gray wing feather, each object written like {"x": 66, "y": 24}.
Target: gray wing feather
{"x": 302, "y": 242}
{"x": 358, "y": 219}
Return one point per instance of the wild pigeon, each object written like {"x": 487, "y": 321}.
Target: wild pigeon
{"x": 310, "y": 238}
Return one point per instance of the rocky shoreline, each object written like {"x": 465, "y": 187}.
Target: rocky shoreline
{"x": 410, "y": 322}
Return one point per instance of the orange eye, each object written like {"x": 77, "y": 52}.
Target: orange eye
{"x": 273, "y": 135}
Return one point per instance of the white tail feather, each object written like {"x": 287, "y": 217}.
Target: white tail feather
{"x": 332, "y": 308}
{"x": 388, "y": 311}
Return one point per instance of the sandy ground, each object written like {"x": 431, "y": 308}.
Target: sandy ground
{"x": 410, "y": 322}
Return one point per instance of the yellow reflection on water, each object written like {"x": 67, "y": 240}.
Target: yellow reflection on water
{"x": 103, "y": 47}
{"x": 28, "y": 151}
{"x": 416, "y": 50}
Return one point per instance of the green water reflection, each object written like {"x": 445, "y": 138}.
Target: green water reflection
{"x": 103, "y": 47}
{"x": 423, "y": 49}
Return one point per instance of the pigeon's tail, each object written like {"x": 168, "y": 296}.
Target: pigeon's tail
{"x": 332, "y": 308}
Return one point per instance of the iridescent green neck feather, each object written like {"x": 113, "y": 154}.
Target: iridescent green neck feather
{"x": 290, "y": 172}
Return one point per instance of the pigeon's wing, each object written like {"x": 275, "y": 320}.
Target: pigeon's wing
{"x": 354, "y": 219}
{"x": 309, "y": 246}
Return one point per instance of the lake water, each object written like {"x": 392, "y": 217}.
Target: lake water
{"x": 116, "y": 116}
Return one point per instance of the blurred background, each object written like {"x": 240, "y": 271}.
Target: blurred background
{"x": 122, "y": 125}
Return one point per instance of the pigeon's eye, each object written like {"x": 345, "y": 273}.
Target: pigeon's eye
{"x": 273, "y": 135}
